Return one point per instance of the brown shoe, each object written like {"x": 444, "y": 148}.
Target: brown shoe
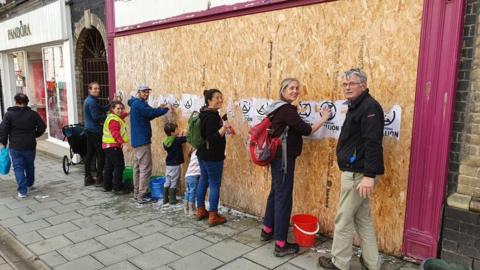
{"x": 215, "y": 219}
{"x": 201, "y": 213}
{"x": 326, "y": 263}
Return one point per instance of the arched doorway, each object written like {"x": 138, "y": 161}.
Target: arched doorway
{"x": 94, "y": 61}
{"x": 91, "y": 66}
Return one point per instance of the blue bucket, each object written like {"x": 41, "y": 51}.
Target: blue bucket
{"x": 156, "y": 187}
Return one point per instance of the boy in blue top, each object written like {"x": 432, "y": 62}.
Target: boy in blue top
{"x": 173, "y": 145}
{"x": 94, "y": 115}
{"x": 141, "y": 137}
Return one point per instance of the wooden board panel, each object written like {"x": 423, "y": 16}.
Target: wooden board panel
{"x": 248, "y": 56}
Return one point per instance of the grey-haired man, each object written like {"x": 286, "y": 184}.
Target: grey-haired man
{"x": 360, "y": 158}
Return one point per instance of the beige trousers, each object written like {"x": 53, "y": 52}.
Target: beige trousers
{"x": 142, "y": 168}
{"x": 354, "y": 213}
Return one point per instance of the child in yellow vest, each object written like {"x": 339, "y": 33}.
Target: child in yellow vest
{"x": 115, "y": 138}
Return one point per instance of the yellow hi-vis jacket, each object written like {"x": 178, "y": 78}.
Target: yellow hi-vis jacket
{"x": 107, "y": 136}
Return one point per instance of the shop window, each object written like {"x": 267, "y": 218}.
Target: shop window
{"x": 56, "y": 91}
{"x": 19, "y": 66}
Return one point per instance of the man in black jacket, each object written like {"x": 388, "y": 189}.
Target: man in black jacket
{"x": 360, "y": 158}
{"x": 20, "y": 128}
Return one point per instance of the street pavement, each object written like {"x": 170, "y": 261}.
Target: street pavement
{"x": 70, "y": 227}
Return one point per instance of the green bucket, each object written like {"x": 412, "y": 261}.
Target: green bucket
{"x": 128, "y": 174}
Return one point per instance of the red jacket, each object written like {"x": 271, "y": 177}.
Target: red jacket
{"x": 114, "y": 128}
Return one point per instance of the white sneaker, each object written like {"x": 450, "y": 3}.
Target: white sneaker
{"x": 20, "y": 195}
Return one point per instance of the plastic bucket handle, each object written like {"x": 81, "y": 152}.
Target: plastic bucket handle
{"x": 305, "y": 232}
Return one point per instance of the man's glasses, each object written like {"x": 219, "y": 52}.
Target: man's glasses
{"x": 350, "y": 84}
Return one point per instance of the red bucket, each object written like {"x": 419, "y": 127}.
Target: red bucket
{"x": 305, "y": 228}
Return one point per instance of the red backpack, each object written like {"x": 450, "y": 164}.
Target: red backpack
{"x": 263, "y": 147}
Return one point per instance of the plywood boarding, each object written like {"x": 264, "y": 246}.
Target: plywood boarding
{"x": 248, "y": 56}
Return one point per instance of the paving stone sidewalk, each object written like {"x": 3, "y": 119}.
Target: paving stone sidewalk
{"x": 4, "y": 264}
{"x": 70, "y": 226}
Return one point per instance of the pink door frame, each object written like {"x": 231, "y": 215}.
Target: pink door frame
{"x": 434, "y": 103}
{"x": 439, "y": 47}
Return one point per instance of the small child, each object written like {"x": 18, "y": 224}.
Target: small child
{"x": 114, "y": 139}
{"x": 173, "y": 145}
{"x": 192, "y": 177}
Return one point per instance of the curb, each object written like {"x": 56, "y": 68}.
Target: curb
{"x": 17, "y": 255}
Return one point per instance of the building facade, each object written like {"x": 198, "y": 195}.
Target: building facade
{"x": 36, "y": 59}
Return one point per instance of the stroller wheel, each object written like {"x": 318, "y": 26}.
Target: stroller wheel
{"x": 66, "y": 164}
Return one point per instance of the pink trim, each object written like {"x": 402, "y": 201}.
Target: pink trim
{"x": 110, "y": 22}
{"x": 217, "y": 13}
{"x": 434, "y": 104}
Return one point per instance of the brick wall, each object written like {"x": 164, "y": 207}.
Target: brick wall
{"x": 463, "y": 94}
{"x": 78, "y": 7}
{"x": 461, "y": 227}
{"x": 461, "y": 237}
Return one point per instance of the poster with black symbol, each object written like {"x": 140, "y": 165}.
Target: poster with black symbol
{"x": 190, "y": 103}
{"x": 393, "y": 119}
{"x": 152, "y": 100}
{"x": 167, "y": 99}
{"x": 246, "y": 107}
{"x": 260, "y": 107}
{"x": 311, "y": 112}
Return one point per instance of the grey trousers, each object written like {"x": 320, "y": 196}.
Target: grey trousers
{"x": 142, "y": 168}
{"x": 354, "y": 213}
{"x": 172, "y": 175}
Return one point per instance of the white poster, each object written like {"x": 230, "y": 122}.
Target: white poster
{"x": 393, "y": 119}
{"x": 311, "y": 112}
{"x": 190, "y": 103}
{"x": 260, "y": 107}
{"x": 247, "y": 110}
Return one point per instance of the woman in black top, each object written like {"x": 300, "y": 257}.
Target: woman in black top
{"x": 211, "y": 156}
{"x": 279, "y": 203}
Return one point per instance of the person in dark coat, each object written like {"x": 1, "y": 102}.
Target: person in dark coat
{"x": 360, "y": 158}
{"x": 19, "y": 129}
{"x": 94, "y": 116}
{"x": 211, "y": 156}
{"x": 285, "y": 119}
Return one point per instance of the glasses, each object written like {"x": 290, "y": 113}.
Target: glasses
{"x": 350, "y": 84}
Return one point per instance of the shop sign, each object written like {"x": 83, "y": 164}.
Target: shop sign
{"x": 20, "y": 31}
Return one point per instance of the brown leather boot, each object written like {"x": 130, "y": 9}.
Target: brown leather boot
{"x": 215, "y": 219}
{"x": 201, "y": 213}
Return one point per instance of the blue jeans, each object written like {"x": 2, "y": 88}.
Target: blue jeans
{"x": 211, "y": 176}
{"x": 24, "y": 168}
{"x": 191, "y": 188}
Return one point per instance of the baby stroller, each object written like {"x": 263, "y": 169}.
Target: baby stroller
{"x": 76, "y": 139}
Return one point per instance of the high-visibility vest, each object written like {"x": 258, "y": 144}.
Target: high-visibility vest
{"x": 107, "y": 136}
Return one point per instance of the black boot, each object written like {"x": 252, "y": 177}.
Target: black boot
{"x": 288, "y": 249}
{"x": 99, "y": 181}
{"x": 165, "y": 195}
{"x": 88, "y": 181}
{"x": 173, "y": 196}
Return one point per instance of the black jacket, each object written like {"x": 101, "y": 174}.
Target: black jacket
{"x": 214, "y": 149}
{"x": 359, "y": 147}
{"x": 20, "y": 127}
{"x": 175, "y": 152}
{"x": 287, "y": 115}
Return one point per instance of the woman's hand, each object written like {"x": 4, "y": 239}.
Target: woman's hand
{"x": 325, "y": 114}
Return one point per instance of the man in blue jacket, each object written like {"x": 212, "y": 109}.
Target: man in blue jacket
{"x": 94, "y": 115}
{"x": 141, "y": 137}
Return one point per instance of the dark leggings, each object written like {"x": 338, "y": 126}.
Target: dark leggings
{"x": 279, "y": 202}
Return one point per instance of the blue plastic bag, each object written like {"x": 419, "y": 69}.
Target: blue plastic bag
{"x": 5, "y": 162}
